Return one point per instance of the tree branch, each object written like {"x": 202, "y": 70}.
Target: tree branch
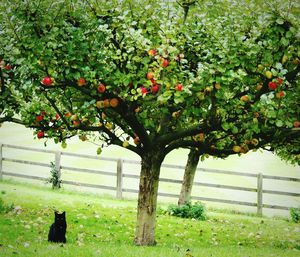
{"x": 173, "y": 136}
{"x": 11, "y": 119}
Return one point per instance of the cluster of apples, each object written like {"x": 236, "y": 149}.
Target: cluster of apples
{"x": 150, "y": 75}
{"x": 39, "y": 118}
{"x": 75, "y": 119}
{"x": 164, "y": 62}
{"x": 244, "y": 147}
{"x": 155, "y": 86}
{"x": 113, "y": 102}
{"x": 136, "y": 141}
{"x": 274, "y": 84}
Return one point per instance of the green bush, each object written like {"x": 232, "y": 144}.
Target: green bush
{"x": 295, "y": 214}
{"x": 55, "y": 178}
{"x": 188, "y": 210}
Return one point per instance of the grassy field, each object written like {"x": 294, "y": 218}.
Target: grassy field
{"x": 256, "y": 162}
{"x": 105, "y": 227}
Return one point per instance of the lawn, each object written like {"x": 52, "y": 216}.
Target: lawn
{"x": 100, "y": 226}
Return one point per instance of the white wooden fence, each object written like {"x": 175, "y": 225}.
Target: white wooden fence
{"x": 120, "y": 174}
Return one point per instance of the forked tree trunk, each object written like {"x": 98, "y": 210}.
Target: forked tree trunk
{"x": 188, "y": 179}
{"x": 146, "y": 210}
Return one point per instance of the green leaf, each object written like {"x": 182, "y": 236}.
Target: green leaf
{"x": 225, "y": 126}
{"x": 99, "y": 150}
{"x": 234, "y": 130}
{"x": 279, "y": 21}
{"x": 279, "y": 123}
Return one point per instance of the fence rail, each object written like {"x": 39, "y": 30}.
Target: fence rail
{"x": 120, "y": 175}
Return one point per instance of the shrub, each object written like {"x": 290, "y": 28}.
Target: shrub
{"x": 55, "y": 178}
{"x": 188, "y": 210}
{"x": 295, "y": 214}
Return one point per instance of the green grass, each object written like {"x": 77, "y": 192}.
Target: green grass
{"x": 105, "y": 227}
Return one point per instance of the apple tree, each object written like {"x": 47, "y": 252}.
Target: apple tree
{"x": 285, "y": 145}
{"x": 150, "y": 79}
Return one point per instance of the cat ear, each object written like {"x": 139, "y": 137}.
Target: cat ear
{"x": 64, "y": 213}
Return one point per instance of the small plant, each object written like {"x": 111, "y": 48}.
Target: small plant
{"x": 188, "y": 210}
{"x": 295, "y": 214}
{"x": 55, "y": 177}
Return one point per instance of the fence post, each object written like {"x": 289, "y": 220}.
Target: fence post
{"x": 57, "y": 163}
{"x": 1, "y": 156}
{"x": 259, "y": 194}
{"x": 119, "y": 178}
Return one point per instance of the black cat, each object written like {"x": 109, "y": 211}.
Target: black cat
{"x": 57, "y": 232}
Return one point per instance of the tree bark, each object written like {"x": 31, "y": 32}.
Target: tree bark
{"x": 147, "y": 200}
{"x": 189, "y": 174}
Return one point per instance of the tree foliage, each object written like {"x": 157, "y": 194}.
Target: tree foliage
{"x": 221, "y": 77}
{"x": 225, "y": 65}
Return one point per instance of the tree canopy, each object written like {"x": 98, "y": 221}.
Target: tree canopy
{"x": 152, "y": 76}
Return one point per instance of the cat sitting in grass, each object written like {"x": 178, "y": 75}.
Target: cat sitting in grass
{"x": 57, "y": 232}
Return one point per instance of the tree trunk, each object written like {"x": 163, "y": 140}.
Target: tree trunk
{"x": 147, "y": 200}
{"x": 188, "y": 179}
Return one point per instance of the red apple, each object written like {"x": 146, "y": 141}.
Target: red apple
{"x": 47, "y": 81}
{"x": 137, "y": 140}
{"x": 106, "y": 103}
{"x": 280, "y": 94}
{"x": 68, "y": 114}
{"x": 296, "y": 124}
{"x": 155, "y": 88}
{"x": 40, "y": 134}
{"x": 144, "y": 90}
{"x": 101, "y": 88}
{"x": 153, "y": 81}
{"x": 39, "y": 117}
{"x": 7, "y": 67}
{"x": 114, "y": 102}
{"x": 178, "y": 87}
{"x": 272, "y": 85}
{"x": 279, "y": 81}
{"x": 165, "y": 63}
{"x": 245, "y": 98}
{"x": 76, "y": 123}
{"x": 57, "y": 117}
{"x": 150, "y": 75}
{"x": 81, "y": 82}
{"x": 152, "y": 52}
